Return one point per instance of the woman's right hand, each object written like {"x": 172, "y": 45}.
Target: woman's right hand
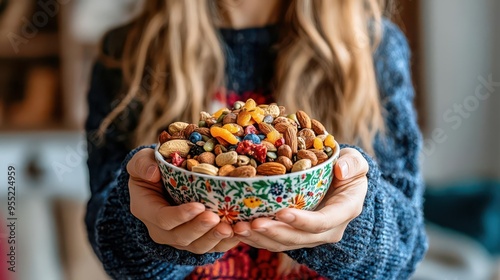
{"x": 186, "y": 227}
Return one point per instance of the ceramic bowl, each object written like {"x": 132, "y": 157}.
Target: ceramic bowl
{"x": 244, "y": 199}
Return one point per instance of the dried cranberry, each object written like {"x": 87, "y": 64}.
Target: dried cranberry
{"x": 177, "y": 160}
{"x": 164, "y": 137}
{"x": 279, "y": 142}
{"x": 244, "y": 147}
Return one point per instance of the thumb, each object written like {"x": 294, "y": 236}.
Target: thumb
{"x": 143, "y": 166}
{"x": 350, "y": 164}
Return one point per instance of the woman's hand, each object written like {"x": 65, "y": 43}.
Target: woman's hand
{"x": 186, "y": 227}
{"x": 295, "y": 229}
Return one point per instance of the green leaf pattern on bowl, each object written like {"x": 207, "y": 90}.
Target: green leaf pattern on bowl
{"x": 244, "y": 200}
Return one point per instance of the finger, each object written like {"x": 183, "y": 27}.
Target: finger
{"x": 226, "y": 244}
{"x": 144, "y": 167}
{"x": 211, "y": 239}
{"x": 246, "y": 233}
{"x": 350, "y": 164}
{"x": 187, "y": 234}
{"x": 339, "y": 209}
{"x": 282, "y": 243}
{"x": 284, "y": 233}
{"x": 149, "y": 205}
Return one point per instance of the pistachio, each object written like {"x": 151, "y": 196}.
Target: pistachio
{"x": 301, "y": 165}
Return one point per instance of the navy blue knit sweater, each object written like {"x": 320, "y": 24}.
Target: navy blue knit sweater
{"x": 385, "y": 242}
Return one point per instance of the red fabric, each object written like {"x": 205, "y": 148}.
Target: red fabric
{"x": 245, "y": 262}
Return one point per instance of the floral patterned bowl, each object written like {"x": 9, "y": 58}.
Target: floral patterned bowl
{"x": 244, "y": 199}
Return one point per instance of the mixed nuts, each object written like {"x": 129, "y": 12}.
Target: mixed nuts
{"x": 247, "y": 141}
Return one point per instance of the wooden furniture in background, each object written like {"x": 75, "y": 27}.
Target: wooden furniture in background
{"x": 408, "y": 17}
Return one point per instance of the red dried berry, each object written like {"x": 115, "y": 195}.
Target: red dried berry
{"x": 245, "y": 147}
{"x": 177, "y": 160}
{"x": 279, "y": 142}
{"x": 260, "y": 153}
{"x": 250, "y": 130}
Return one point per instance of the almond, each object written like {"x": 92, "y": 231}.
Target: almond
{"x": 306, "y": 154}
{"x": 286, "y": 162}
{"x": 281, "y": 127}
{"x": 271, "y": 168}
{"x": 206, "y": 157}
{"x": 266, "y": 128}
{"x": 285, "y": 150}
{"x": 284, "y": 120}
{"x": 303, "y": 118}
{"x": 320, "y": 155}
{"x": 318, "y": 127}
{"x": 291, "y": 138}
{"x": 189, "y": 129}
{"x": 309, "y": 141}
{"x": 226, "y": 170}
{"x": 243, "y": 171}
{"x": 203, "y": 131}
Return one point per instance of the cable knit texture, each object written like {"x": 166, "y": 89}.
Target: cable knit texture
{"x": 386, "y": 241}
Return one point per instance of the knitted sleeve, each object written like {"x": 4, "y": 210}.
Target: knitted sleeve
{"x": 387, "y": 240}
{"x": 121, "y": 241}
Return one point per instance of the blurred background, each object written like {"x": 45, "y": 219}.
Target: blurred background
{"x": 47, "y": 48}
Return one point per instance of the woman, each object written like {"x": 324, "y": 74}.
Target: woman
{"x": 336, "y": 59}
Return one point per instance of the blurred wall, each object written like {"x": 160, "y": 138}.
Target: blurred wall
{"x": 461, "y": 57}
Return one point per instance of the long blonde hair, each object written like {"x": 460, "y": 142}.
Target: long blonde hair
{"x": 324, "y": 64}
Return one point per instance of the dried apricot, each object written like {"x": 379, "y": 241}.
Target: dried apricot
{"x": 220, "y": 112}
{"x": 250, "y": 104}
{"x": 244, "y": 119}
{"x": 224, "y": 134}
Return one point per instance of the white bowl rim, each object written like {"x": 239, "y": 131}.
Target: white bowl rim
{"x": 335, "y": 155}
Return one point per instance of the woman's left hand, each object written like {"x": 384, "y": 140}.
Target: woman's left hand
{"x": 295, "y": 228}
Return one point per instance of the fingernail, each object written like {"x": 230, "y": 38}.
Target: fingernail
{"x": 194, "y": 211}
{"x": 344, "y": 168}
{"x": 260, "y": 229}
{"x": 244, "y": 233}
{"x": 286, "y": 217}
{"x": 150, "y": 172}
